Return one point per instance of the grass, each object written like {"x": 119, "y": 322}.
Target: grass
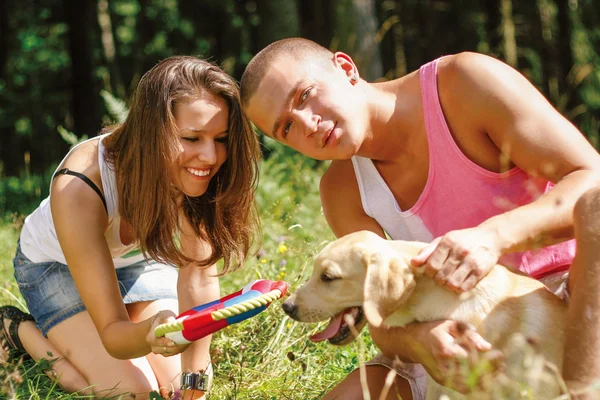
{"x": 268, "y": 356}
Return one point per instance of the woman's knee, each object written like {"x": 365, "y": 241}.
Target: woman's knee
{"x": 77, "y": 339}
{"x": 68, "y": 377}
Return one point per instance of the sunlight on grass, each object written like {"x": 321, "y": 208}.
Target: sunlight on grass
{"x": 268, "y": 356}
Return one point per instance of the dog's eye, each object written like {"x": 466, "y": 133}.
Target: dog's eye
{"x": 327, "y": 278}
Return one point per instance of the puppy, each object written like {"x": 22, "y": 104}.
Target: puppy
{"x": 369, "y": 278}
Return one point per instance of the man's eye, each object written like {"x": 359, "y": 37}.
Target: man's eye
{"x": 286, "y": 128}
{"x": 304, "y": 95}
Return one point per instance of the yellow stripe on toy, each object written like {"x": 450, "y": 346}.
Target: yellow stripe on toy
{"x": 247, "y": 305}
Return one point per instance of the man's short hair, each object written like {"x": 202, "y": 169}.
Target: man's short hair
{"x": 298, "y": 48}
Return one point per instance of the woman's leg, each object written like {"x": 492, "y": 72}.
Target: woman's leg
{"x": 77, "y": 340}
{"x": 38, "y": 347}
{"x": 166, "y": 369}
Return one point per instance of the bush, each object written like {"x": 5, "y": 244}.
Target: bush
{"x": 23, "y": 195}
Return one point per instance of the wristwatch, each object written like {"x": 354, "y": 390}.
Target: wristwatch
{"x": 201, "y": 380}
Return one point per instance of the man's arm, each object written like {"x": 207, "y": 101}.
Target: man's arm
{"x": 499, "y": 102}
{"x": 340, "y": 198}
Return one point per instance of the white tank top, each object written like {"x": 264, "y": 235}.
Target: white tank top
{"x": 38, "y": 237}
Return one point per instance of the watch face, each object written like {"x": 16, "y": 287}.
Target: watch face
{"x": 197, "y": 380}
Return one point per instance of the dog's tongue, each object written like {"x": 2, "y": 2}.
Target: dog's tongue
{"x": 334, "y": 326}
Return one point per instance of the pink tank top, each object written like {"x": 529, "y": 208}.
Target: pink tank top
{"x": 458, "y": 194}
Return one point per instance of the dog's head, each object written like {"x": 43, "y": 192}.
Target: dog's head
{"x": 357, "y": 273}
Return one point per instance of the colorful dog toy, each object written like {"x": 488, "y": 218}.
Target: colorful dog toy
{"x": 208, "y": 318}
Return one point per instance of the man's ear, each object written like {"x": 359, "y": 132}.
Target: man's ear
{"x": 385, "y": 285}
{"x": 346, "y": 64}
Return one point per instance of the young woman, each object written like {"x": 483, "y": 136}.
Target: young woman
{"x": 172, "y": 186}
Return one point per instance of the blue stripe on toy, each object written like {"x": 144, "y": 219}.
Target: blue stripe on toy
{"x": 248, "y": 314}
{"x": 241, "y": 298}
{"x": 238, "y": 299}
{"x": 206, "y": 305}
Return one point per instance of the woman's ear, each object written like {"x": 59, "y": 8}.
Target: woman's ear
{"x": 345, "y": 63}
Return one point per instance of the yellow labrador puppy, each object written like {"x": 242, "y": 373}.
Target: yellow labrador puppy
{"x": 363, "y": 273}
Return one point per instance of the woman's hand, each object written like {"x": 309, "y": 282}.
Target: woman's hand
{"x": 460, "y": 259}
{"x": 162, "y": 345}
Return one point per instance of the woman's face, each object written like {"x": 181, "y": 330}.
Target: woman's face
{"x": 203, "y": 126}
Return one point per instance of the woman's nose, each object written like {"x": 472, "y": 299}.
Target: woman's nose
{"x": 207, "y": 152}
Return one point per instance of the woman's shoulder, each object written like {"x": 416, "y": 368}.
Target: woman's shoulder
{"x": 83, "y": 159}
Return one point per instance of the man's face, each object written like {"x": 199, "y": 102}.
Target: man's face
{"x": 310, "y": 107}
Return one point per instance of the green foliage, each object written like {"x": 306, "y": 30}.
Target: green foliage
{"x": 37, "y": 82}
{"x": 116, "y": 107}
{"x": 23, "y": 195}
{"x": 70, "y": 137}
{"x": 268, "y": 356}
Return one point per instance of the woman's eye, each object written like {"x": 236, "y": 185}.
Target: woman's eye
{"x": 222, "y": 139}
{"x": 190, "y": 139}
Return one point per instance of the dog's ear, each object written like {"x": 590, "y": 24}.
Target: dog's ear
{"x": 386, "y": 283}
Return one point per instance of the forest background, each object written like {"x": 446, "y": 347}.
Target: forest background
{"x": 69, "y": 67}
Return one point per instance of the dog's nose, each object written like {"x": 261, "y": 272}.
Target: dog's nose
{"x": 289, "y": 308}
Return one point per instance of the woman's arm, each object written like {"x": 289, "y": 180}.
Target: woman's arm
{"x": 80, "y": 221}
{"x": 196, "y": 285}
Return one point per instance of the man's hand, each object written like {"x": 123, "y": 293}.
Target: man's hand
{"x": 460, "y": 259}
{"x": 447, "y": 347}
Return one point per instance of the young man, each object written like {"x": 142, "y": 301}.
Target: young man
{"x": 464, "y": 153}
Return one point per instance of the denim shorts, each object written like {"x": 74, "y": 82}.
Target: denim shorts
{"x": 51, "y": 295}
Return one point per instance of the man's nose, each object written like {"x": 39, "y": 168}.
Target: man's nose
{"x": 290, "y": 308}
{"x": 309, "y": 121}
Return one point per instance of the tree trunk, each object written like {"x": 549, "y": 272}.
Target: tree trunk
{"x": 84, "y": 94}
{"x": 110, "y": 49}
{"x": 315, "y": 21}
{"x": 3, "y": 38}
{"x": 145, "y": 29}
{"x": 508, "y": 34}
{"x": 391, "y": 39}
{"x": 367, "y": 52}
{"x": 493, "y": 26}
{"x": 543, "y": 33}
{"x": 278, "y": 19}
{"x": 565, "y": 59}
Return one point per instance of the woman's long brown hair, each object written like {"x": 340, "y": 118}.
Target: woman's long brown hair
{"x": 143, "y": 150}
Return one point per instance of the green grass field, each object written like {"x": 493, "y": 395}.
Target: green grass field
{"x": 268, "y": 356}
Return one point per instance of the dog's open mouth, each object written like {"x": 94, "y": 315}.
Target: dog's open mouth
{"x": 337, "y": 331}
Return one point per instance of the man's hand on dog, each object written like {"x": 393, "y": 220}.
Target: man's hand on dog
{"x": 455, "y": 348}
{"x": 460, "y": 259}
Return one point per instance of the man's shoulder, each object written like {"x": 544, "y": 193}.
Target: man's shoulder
{"x": 470, "y": 69}
{"x": 338, "y": 173}
{"x": 339, "y": 181}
